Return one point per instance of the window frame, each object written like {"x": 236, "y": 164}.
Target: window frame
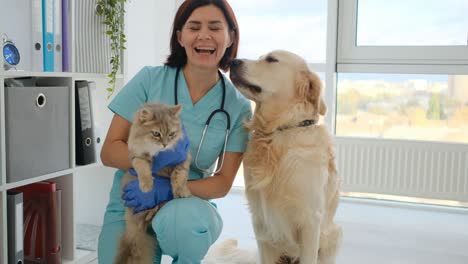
{"x": 443, "y": 59}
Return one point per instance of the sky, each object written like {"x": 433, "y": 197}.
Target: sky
{"x": 298, "y": 26}
{"x": 301, "y": 25}
{"x": 420, "y": 22}
{"x": 395, "y": 78}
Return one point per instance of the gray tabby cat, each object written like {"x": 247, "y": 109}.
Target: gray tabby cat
{"x": 156, "y": 128}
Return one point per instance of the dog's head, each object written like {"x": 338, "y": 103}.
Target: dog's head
{"x": 279, "y": 77}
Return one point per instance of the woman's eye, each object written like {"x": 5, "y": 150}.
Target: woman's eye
{"x": 194, "y": 28}
{"x": 215, "y": 29}
{"x": 156, "y": 134}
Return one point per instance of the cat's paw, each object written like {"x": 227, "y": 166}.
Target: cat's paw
{"x": 146, "y": 185}
{"x": 181, "y": 192}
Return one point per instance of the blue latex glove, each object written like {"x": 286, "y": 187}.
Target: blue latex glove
{"x": 173, "y": 156}
{"x": 170, "y": 157}
{"x": 134, "y": 197}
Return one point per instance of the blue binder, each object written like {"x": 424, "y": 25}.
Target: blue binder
{"x": 48, "y": 34}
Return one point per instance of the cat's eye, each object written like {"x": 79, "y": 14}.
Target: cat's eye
{"x": 172, "y": 134}
{"x": 156, "y": 134}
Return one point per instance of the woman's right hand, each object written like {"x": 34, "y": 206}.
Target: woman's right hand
{"x": 135, "y": 197}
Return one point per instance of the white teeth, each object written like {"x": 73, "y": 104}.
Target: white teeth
{"x": 205, "y": 49}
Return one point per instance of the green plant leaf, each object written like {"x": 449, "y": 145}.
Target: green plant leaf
{"x": 113, "y": 12}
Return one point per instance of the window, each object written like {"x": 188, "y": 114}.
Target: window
{"x": 403, "y": 106}
{"x": 418, "y": 23}
{"x": 429, "y": 32}
{"x": 298, "y": 26}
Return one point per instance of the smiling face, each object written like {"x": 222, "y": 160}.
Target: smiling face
{"x": 205, "y": 37}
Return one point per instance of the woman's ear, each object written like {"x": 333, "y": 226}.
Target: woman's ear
{"x": 179, "y": 37}
{"x": 232, "y": 35}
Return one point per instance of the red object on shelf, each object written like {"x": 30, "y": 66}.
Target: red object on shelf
{"x": 42, "y": 222}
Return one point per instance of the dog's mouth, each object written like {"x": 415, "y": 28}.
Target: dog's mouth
{"x": 241, "y": 83}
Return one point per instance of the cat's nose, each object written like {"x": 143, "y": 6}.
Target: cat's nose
{"x": 164, "y": 144}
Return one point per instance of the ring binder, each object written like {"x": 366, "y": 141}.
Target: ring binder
{"x": 15, "y": 227}
{"x": 84, "y": 137}
{"x": 42, "y": 222}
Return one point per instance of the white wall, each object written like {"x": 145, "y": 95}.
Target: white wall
{"x": 148, "y": 25}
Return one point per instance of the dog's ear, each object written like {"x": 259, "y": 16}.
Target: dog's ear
{"x": 309, "y": 88}
{"x": 322, "y": 107}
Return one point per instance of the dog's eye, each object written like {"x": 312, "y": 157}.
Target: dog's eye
{"x": 271, "y": 59}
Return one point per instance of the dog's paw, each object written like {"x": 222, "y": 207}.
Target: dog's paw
{"x": 146, "y": 185}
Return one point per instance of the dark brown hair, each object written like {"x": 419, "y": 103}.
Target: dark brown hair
{"x": 178, "y": 57}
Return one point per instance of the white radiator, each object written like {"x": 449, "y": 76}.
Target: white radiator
{"x": 404, "y": 168}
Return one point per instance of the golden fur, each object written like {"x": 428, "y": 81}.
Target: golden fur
{"x": 290, "y": 175}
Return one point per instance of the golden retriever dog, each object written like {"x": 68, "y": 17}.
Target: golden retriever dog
{"x": 291, "y": 181}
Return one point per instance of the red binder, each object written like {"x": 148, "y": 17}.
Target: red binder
{"x": 42, "y": 225}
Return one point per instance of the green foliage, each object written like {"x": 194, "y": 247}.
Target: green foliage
{"x": 113, "y": 12}
{"x": 435, "y": 111}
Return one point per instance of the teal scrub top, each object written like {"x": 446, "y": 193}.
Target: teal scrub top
{"x": 156, "y": 84}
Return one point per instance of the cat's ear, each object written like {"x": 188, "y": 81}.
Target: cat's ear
{"x": 176, "y": 109}
{"x": 144, "y": 115}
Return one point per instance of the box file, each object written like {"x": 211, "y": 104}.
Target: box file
{"x": 15, "y": 227}
{"x": 99, "y": 128}
{"x": 42, "y": 222}
{"x": 92, "y": 44}
{"x": 58, "y": 49}
{"x": 37, "y": 45}
{"x": 48, "y": 34}
{"x": 84, "y": 131}
{"x": 66, "y": 52}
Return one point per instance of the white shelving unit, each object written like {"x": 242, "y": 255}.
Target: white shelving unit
{"x": 65, "y": 179}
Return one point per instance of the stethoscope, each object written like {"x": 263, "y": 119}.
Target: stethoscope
{"x": 207, "y": 123}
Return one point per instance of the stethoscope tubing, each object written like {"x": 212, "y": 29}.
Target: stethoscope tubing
{"x": 207, "y": 123}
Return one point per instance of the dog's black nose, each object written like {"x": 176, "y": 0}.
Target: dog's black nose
{"x": 235, "y": 63}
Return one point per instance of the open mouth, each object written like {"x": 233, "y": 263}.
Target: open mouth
{"x": 240, "y": 82}
{"x": 205, "y": 50}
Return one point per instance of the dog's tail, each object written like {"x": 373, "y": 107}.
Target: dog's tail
{"x": 227, "y": 252}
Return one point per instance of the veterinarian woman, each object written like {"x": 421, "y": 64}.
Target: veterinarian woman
{"x": 204, "y": 39}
